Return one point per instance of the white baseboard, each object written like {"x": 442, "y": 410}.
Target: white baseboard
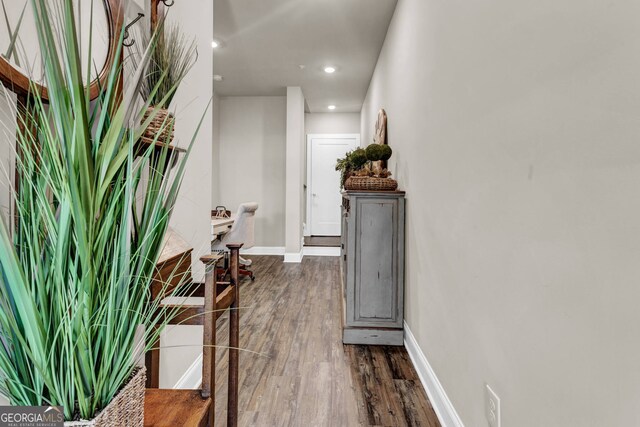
{"x": 293, "y": 257}
{"x": 320, "y": 251}
{"x": 437, "y": 396}
{"x": 263, "y": 250}
{"x": 192, "y": 377}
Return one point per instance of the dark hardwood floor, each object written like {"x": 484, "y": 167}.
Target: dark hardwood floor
{"x": 294, "y": 369}
{"x": 331, "y": 241}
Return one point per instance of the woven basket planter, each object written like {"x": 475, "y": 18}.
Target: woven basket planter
{"x": 126, "y": 409}
{"x": 369, "y": 183}
{"x": 161, "y": 127}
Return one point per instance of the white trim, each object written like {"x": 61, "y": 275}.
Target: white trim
{"x": 437, "y": 396}
{"x": 321, "y": 251}
{"x": 310, "y": 136}
{"x": 295, "y": 257}
{"x": 192, "y": 377}
{"x": 263, "y": 250}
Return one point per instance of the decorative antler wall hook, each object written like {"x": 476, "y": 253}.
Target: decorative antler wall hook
{"x": 126, "y": 30}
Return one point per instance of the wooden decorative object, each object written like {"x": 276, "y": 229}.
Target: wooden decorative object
{"x": 380, "y": 137}
{"x": 15, "y": 79}
{"x": 381, "y": 128}
{"x": 18, "y": 82}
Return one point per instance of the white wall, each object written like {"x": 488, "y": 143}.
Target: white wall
{"x": 192, "y": 214}
{"x": 252, "y": 161}
{"x": 215, "y": 153}
{"x": 295, "y": 161}
{"x": 332, "y": 123}
{"x": 515, "y": 127}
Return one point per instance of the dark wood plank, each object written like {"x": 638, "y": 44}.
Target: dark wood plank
{"x": 322, "y": 241}
{"x": 234, "y": 339}
{"x": 416, "y": 407}
{"x": 170, "y": 274}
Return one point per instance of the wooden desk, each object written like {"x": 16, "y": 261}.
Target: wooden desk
{"x": 221, "y": 226}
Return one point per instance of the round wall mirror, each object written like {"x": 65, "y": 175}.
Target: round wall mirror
{"x": 99, "y": 23}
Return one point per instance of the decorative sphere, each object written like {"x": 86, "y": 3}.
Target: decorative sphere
{"x": 386, "y": 152}
{"x": 358, "y": 158}
{"x": 374, "y": 152}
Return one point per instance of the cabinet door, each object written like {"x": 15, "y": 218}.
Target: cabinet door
{"x": 375, "y": 292}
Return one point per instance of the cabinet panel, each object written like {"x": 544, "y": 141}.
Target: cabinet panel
{"x": 375, "y": 269}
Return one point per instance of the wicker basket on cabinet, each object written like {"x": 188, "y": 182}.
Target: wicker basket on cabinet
{"x": 369, "y": 183}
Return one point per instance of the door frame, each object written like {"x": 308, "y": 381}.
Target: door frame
{"x": 310, "y": 137}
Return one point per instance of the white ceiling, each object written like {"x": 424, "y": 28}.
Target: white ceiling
{"x": 265, "y": 41}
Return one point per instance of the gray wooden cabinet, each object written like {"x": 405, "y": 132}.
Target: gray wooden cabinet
{"x": 373, "y": 267}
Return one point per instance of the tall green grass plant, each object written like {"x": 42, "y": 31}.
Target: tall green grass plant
{"x": 77, "y": 261}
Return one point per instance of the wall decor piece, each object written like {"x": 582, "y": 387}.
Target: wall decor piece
{"x": 21, "y": 64}
{"x": 22, "y": 68}
{"x": 172, "y": 57}
{"x": 380, "y": 137}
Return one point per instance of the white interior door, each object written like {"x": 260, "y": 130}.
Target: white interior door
{"x": 324, "y": 181}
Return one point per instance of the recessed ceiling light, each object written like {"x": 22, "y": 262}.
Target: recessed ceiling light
{"x": 217, "y": 78}
{"x": 329, "y": 70}
{"x": 331, "y": 107}
{"x": 215, "y": 43}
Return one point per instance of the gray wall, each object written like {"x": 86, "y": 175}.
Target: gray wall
{"x": 332, "y": 123}
{"x": 252, "y": 161}
{"x": 515, "y": 127}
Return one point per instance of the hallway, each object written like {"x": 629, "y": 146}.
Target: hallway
{"x": 303, "y": 375}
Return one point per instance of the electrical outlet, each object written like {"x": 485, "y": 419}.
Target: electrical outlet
{"x": 492, "y": 406}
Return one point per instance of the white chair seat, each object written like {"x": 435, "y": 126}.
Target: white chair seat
{"x": 241, "y": 230}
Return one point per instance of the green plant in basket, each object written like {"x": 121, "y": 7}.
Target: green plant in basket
{"x": 76, "y": 264}
{"x": 172, "y": 56}
{"x": 352, "y": 162}
{"x": 375, "y": 153}
{"x": 171, "y": 59}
